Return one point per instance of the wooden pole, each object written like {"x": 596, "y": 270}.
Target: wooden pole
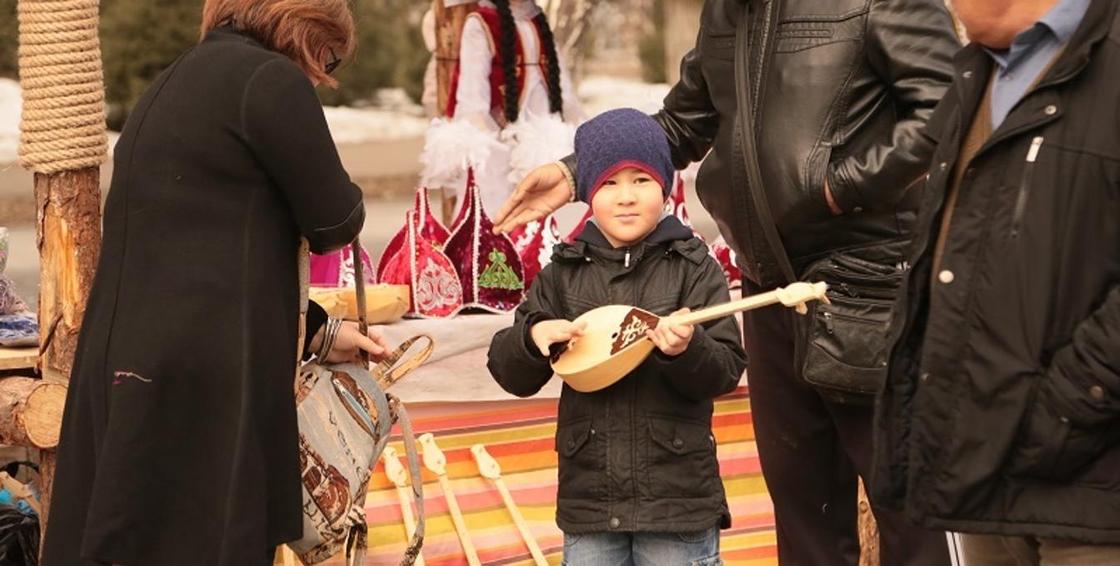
{"x": 449, "y": 30}
{"x": 69, "y": 241}
{"x": 63, "y": 140}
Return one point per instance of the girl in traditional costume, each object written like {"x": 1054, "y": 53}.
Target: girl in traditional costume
{"x": 511, "y": 106}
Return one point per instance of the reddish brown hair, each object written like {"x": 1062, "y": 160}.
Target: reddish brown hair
{"x": 304, "y": 30}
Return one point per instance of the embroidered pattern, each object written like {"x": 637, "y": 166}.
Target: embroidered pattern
{"x": 499, "y": 275}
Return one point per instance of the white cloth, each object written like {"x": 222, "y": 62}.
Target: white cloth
{"x": 473, "y": 100}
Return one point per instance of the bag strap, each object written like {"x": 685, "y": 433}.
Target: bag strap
{"x": 360, "y": 292}
{"x": 392, "y": 369}
{"x": 749, "y": 142}
{"x": 417, "y": 482}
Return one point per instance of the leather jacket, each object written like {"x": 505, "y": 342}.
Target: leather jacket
{"x": 840, "y": 90}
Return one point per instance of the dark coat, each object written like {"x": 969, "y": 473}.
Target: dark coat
{"x": 841, "y": 89}
{"x": 639, "y": 455}
{"x": 179, "y": 441}
{"x": 1001, "y": 412}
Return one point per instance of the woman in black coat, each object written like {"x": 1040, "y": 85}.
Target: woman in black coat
{"x": 179, "y": 441}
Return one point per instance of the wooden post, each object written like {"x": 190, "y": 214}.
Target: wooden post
{"x": 69, "y": 240}
{"x": 868, "y": 531}
{"x": 63, "y": 140}
{"x": 449, "y": 29}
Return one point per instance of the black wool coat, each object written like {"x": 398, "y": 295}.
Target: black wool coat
{"x": 1001, "y": 411}
{"x": 638, "y": 455}
{"x": 179, "y": 441}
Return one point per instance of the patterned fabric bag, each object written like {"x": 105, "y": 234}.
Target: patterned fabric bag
{"x": 345, "y": 420}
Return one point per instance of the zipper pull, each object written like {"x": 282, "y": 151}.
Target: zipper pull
{"x": 627, "y": 257}
{"x": 1036, "y": 144}
{"x": 828, "y": 323}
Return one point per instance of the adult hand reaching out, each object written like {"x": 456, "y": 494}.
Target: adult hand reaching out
{"x": 349, "y": 341}
{"x": 541, "y": 192}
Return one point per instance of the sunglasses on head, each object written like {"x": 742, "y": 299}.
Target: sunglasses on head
{"x": 332, "y": 63}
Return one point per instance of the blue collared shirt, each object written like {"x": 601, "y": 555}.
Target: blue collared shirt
{"x": 1030, "y": 54}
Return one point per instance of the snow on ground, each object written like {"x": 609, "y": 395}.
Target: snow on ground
{"x": 601, "y": 93}
{"x": 393, "y": 117}
{"x": 355, "y": 125}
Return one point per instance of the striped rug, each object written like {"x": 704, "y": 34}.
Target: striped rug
{"x": 519, "y": 435}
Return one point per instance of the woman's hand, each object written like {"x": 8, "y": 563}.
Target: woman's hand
{"x": 671, "y": 340}
{"x": 549, "y": 332}
{"x": 350, "y": 341}
{"x": 541, "y": 192}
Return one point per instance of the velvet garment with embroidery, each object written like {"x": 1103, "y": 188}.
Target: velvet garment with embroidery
{"x": 179, "y": 440}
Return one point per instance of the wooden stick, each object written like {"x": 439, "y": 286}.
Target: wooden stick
{"x": 436, "y": 462}
{"x": 489, "y": 468}
{"x": 795, "y": 295}
{"x": 399, "y": 476}
{"x": 289, "y": 556}
{"x": 19, "y": 491}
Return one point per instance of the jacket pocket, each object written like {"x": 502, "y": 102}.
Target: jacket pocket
{"x": 1025, "y": 186}
{"x": 720, "y": 46}
{"x": 681, "y": 459}
{"x": 842, "y": 346}
{"x": 582, "y": 462}
{"x": 1053, "y": 447}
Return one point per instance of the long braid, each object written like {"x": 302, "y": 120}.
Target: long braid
{"x": 508, "y": 31}
{"x": 555, "y": 92}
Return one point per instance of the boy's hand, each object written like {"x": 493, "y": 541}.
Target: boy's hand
{"x": 549, "y": 332}
{"x": 671, "y": 340}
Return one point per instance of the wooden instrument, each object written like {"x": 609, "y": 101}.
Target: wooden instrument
{"x": 399, "y": 476}
{"x": 436, "y": 462}
{"x": 614, "y": 340}
{"x": 489, "y": 468}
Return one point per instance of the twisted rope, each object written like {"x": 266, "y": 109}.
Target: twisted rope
{"x": 63, "y": 121}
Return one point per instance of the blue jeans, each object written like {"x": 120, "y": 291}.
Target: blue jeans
{"x": 643, "y": 549}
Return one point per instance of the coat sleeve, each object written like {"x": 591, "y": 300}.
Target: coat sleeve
{"x": 714, "y": 360}
{"x": 688, "y": 116}
{"x": 1084, "y": 375}
{"x": 513, "y": 359}
{"x": 283, "y": 122}
{"x": 910, "y": 45}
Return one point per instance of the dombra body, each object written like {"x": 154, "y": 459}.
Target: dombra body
{"x": 614, "y": 340}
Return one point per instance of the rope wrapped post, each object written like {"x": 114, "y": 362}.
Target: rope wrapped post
{"x": 63, "y": 141}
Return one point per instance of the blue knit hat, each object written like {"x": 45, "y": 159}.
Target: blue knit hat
{"x": 615, "y": 140}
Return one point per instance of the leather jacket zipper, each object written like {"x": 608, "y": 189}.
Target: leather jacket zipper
{"x": 1025, "y": 186}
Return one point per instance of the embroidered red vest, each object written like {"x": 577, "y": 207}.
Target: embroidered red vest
{"x": 493, "y": 27}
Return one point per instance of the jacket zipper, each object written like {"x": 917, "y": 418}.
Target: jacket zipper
{"x": 626, "y": 262}
{"x": 1025, "y": 186}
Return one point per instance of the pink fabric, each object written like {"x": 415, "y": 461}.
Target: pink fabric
{"x": 489, "y": 266}
{"x": 434, "y": 286}
{"x": 336, "y": 269}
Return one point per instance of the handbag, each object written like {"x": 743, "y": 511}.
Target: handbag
{"x": 345, "y": 421}
{"x": 841, "y": 346}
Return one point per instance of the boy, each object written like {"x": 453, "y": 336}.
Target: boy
{"x": 638, "y": 480}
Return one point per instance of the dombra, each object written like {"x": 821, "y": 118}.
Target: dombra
{"x": 614, "y": 341}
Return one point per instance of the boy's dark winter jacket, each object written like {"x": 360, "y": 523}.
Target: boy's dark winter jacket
{"x": 639, "y": 455}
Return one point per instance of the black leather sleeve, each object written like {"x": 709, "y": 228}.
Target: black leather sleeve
{"x": 910, "y": 46}
{"x": 689, "y": 118}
